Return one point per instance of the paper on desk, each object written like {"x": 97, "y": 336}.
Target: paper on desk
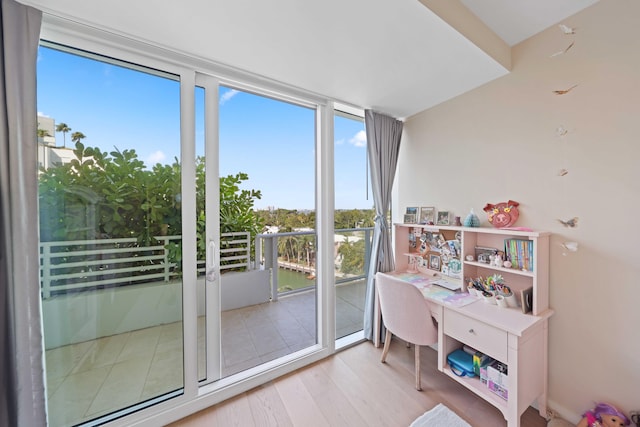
{"x": 460, "y": 299}
{"x": 430, "y": 289}
{"x": 447, "y": 284}
{"x": 435, "y": 292}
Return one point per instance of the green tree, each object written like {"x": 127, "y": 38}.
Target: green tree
{"x": 354, "y": 218}
{"x": 236, "y": 205}
{"x": 77, "y": 137}
{"x": 109, "y": 195}
{"x": 306, "y": 249}
{"x": 236, "y": 208}
{"x": 288, "y": 247}
{"x": 62, "y": 127}
{"x": 352, "y": 257}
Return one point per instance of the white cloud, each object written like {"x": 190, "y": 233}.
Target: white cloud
{"x": 339, "y": 141}
{"x": 156, "y": 157}
{"x": 359, "y": 139}
{"x": 227, "y": 96}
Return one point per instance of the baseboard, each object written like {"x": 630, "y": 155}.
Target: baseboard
{"x": 563, "y": 412}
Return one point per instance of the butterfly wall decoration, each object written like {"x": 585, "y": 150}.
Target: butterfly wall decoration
{"x": 564, "y": 91}
{"x": 562, "y": 52}
{"x": 566, "y": 29}
{"x": 570, "y": 223}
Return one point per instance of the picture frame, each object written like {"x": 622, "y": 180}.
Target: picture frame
{"x": 427, "y": 215}
{"x": 526, "y": 299}
{"x": 444, "y": 218}
{"x": 409, "y": 218}
{"x": 412, "y": 211}
{"x": 431, "y": 238}
{"x": 483, "y": 254}
{"x": 434, "y": 262}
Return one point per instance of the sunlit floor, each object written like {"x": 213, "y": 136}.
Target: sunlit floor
{"x": 94, "y": 378}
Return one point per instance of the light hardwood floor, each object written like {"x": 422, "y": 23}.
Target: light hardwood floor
{"x": 352, "y": 388}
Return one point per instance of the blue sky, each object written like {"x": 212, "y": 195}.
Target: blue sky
{"x": 272, "y": 141}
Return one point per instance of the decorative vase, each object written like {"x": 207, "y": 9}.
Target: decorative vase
{"x": 472, "y": 220}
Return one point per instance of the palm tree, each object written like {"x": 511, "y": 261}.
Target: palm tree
{"x": 287, "y": 247}
{"x": 42, "y": 133}
{"x": 77, "y": 136}
{"x": 62, "y": 127}
{"x": 305, "y": 247}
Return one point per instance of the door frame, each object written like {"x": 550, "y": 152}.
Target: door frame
{"x": 90, "y": 38}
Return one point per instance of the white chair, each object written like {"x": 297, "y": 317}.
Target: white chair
{"x": 407, "y": 315}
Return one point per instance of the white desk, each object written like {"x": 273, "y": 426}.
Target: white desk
{"x": 505, "y": 334}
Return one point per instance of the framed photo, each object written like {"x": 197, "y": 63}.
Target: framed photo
{"x": 434, "y": 262}
{"x": 483, "y": 254}
{"x": 431, "y": 239}
{"x": 427, "y": 215}
{"x": 409, "y": 218}
{"x": 443, "y": 218}
{"x": 526, "y": 297}
{"x": 412, "y": 211}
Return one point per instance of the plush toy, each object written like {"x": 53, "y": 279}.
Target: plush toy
{"x": 603, "y": 415}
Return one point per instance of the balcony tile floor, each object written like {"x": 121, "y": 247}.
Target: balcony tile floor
{"x": 94, "y": 378}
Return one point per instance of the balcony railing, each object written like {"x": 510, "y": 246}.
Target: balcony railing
{"x": 269, "y": 256}
{"x": 90, "y": 264}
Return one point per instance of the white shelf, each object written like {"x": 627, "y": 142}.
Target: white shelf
{"x": 475, "y": 385}
{"x": 526, "y": 273}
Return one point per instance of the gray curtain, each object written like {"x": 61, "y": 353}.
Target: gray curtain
{"x": 383, "y": 145}
{"x": 22, "y": 399}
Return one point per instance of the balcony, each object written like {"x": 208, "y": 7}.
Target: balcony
{"x": 136, "y": 357}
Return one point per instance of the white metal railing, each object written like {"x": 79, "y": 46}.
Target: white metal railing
{"x": 266, "y": 247}
{"x": 87, "y": 264}
{"x": 235, "y": 250}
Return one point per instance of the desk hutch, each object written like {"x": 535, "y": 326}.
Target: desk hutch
{"x": 508, "y": 335}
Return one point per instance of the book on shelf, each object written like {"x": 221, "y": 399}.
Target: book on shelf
{"x": 520, "y": 253}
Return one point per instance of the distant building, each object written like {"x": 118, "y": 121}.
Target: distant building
{"x": 48, "y": 125}
{"x": 48, "y": 153}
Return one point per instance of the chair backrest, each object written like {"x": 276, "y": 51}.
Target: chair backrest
{"x": 405, "y": 311}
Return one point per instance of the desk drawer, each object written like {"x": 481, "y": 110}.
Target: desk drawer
{"x": 481, "y": 336}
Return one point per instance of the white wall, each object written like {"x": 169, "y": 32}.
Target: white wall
{"x": 499, "y": 142}
{"x": 83, "y": 316}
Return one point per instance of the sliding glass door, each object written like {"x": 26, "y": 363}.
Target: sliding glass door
{"x": 353, "y": 218}
{"x": 261, "y": 298}
{"x": 110, "y": 235}
{"x": 178, "y": 241}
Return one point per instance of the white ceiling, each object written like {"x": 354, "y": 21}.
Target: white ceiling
{"x": 394, "y": 56}
{"x": 516, "y": 20}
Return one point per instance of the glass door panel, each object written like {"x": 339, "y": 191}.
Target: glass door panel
{"x": 207, "y": 220}
{"x": 353, "y": 220}
{"x": 110, "y": 235}
{"x": 267, "y": 185}
{"x": 201, "y": 241}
